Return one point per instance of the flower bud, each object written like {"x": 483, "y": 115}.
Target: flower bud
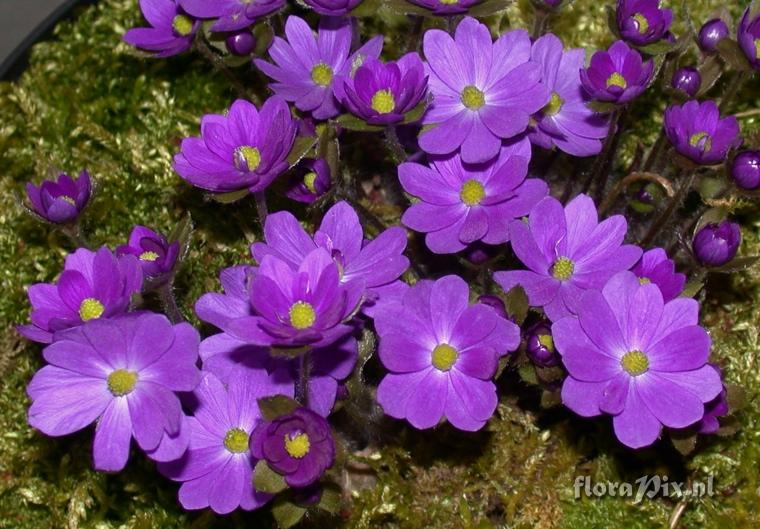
{"x": 715, "y": 244}
{"x": 712, "y": 32}
{"x": 746, "y": 170}
{"x": 687, "y": 80}
{"x": 540, "y": 345}
{"x": 241, "y": 43}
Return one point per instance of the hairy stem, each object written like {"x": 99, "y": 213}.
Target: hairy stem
{"x": 261, "y": 206}
{"x": 396, "y": 150}
{"x": 218, "y": 64}
{"x": 74, "y": 234}
{"x": 603, "y": 163}
{"x": 169, "y": 302}
{"x": 663, "y": 219}
{"x": 732, "y": 90}
{"x": 302, "y": 389}
{"x": 628, "y": 180}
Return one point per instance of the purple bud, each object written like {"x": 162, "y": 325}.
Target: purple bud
{"x": 478, "y": 253}
{"x": 62, "y": 200}
{"x": 687, "y": 80}
{"x": 712, "y": 32}
{"x": 241, "y": 43}
{"x": 540, "y": 345}
{"x": 746, "y": 170}
{"x": 716, "y": 244}
{"x": 496, "y": 303}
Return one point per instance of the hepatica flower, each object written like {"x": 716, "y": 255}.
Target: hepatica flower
{"x": 335, "y": 8}
{"x": 247, "y": 148}
{"x": 172, "y": 30}
{"x": 446, "y": 7}
{"x": 231, "y": 15}
{"x": 748, "y": 36}
{"x": 306, "y": 67}
{"x": 122, "y": 374}
{"x": 565, "y": 121}
{"x": 697, "y": 131}
{"x": 483, "y": 91}
{"x": 311, "y": 180}
{"x": 441, "y": 352}
{"x": 463, "y": 203}
{"x": 643, "y": 22}
{"x": 382, "y": 93}
{"x": 92, "y": 285}
{"x": 617, "y": 75}
{"x": 156, "y": 255}
{"x": 62, "y": 200}
{"x": 632, "y": 356}
{"x": 567, "y": 251}
{"x": 655, "y": 267}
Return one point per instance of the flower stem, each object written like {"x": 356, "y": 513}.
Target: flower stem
{"x": 663, "y": 219}
{"x": 540, "y": 18}
{"x": 261, "y": 206}
{"x": 628, "y": 180}
{"x": 74, "y": 234}
{"x": 397, "y": 151}
{"x": 602, "y": 165}
{"x": 219, "y": 66}
{"x": 169, "y": 302}
{"x": 302, "y": 387}
{"x": 732, "y": 89}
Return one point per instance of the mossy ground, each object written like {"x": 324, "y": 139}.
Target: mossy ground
{"x": 87, "y": 102}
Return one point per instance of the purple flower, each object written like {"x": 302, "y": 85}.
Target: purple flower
{"x": 746, "y": 170}
{"x": 483, "y": 91}
{"x": 231, "y": 14}
{"x": 718, "y": 407}
{"x": 311, "y": 180}
{"x": 462, "y": 203}
{"x": 715, "y": 244}
{"x": 711, "y": 33}
{"x": 246, "y": 148}
{"x": 121, "y": 373}
{"x": 748, "y": 36}
{"x": 299, "y": 446}
{"x": 446, "y": 7}
{"x": 306, "y": 67}
{"x": 539, "y": 345}
{"x": 217, "y": 469}
{"x": 643, "y": 22}
{"x": 688, "y": 80}
{"x": 441, "y": 352}
{"x": 172, "y": 31}
{"x": 92, "y": 285}
{"x": 618, "y": 75}
{"x": 632, "y": 356}
{"x": 156, "y": 255}
{"x": 374, "y": 266}
{"x": 565, "y": 122}
{"x": 62, "y": 200}
{"x": 697, "y": 131}
{"x": 382, "y": 93}
{"x": 655, "y": 267}
{"x": 335, "y": 8}
{"x": 567, "y": 252}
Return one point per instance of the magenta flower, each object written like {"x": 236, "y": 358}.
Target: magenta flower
{"x": 311, "y": 180}
{"x": 567, "y": 252}
{"x": 632, "y": 356}
{"x": 655, "y": 267}
{"x": 217, "y": 469}
{"x": 92, "y": 285}
{"x": 441, "y": 352}
{"x": 247, "y": 148}
{"x": 231, "y": 14}
{"x": 446, "y": 7}
{"x": 643, "y": 22}
{"x": 62, "y": 200}
{"x": 172, "y": 31}
{"x": 382, "y": 93}
{"x": 306, "y": 67}
{"x": 462, "y": 203}
{"x": 156, "y": 255}
{"x": 697, "y": 131}
{"x": 121, "y": 373}
{"x": 618, "y": 75}
{"x": 334, "y": 8}
{"x": 748, "y": 36}
{"x": 565, "y": 122}
{"x": 483, "y": 91}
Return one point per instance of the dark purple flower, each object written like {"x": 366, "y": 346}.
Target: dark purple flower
{"x": 655, "y": 267}
{"x": 247, "y": 148}
{"x": 618, "y": 75}
{"x": 632, "y": 356}
{"x": 442, "y": 353}
{"x": 688, "y": 80}
{"x": 306, "y": 67}
{"x": 156, "y": 255}
{"x": 567, "y": 251}
{"x": 241, "y": 43}
{"x": 231, "y": 14}
{"x": 382, "y": 93}
{"x": 539, "y": 345}
{"x": 462, "y": 203}
{"x": 92, "y": 285}
{"x": 715, "y": 244}
{"x": 746, "y": 170}
{"x": 697, "y": 131}
{"x": 478, "y": 253}
{"x": 172, "y": 31}
{"x": 121, "y": 373}
{"x": 718, "y": 407}
{"x": 643, "y": 22}
{"x": 335, "y": 8}
{"x": 483, "y": 91}
{"x": 62, "y": 200}
{"x": 311, "y": 179}
{"x": 446, "y": 7}
{"x": 565, "y": 122}
{"x": 748, "y": 36}
{"x": 711, "y": 33}
{"x": 217, "y": 469}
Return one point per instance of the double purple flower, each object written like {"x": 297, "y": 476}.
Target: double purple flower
{"x": 231, "y": 14}
{"x": 697, "y": 131}
{"x": 310, "y": 180}
{"x": 748, "y": 36}
{"x": 172, "y": 31}
{"x": 156, "y": 255}
{"x": 617, "y": 75}
{"x": 643, "y": 22}
{"x": 60, "y": 201}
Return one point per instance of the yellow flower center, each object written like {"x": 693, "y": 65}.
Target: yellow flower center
{"x": 644, "y": 281}
{"x": 449, "y": 2}
{"x": 247, "y": 158}
{"x": 297, "y": 446}
{"x": 472, "y": 192}
{"x": 472, "y": 97}
{"x": 90, "y": 309}
{"x": 236, "y": 441}
{"x": 309, "y": 180}
{"x": 148, "y": 256}
{"x": 701, "y": 140}
{"x": 302, "y": 315}
{"x": 757, "y": 48}
{"x": 563, "y": 269}
{"x": 635, "y": 363}
{"x": 121, "y": 382}
{"x": 68, "y": 199}
{"x": 321, "y": 74}
{"x": 547, "y": 341}
{"x": 383, "y": 102}
{"x": 554, "y": 105}
{"x": 444, "y": 357}
{"x": 617, "y": 80}
{"x": 182, "y": 25}
{"x": 642, "y": 24}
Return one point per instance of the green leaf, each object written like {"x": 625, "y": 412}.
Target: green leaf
{"x": 289, "y": 352}
{"x": 416, "y": 113}
{"x": 182, "y": 233}
{"x": 710, "y": 187}
{"x": 692, "y": 288}
{"x": 489, "y": 7}
{"x": 351, "y": 122}
{"x": 267, "y": 480}
{"x": 330, "y": 500}
{"x": 528, "y": 374}
{"x": 516, "y": 303}
{"x": 683, "y": 440}
{"x": 301, "y": 147}
{"x": 657, "y": 48}
{"x": 276, "y": 406}
{"x": 228, "y": 198}
{"x": 402, "y": 7}
{"x": 601, "y": 107}
{"x": 287, "y": 514}
{"x": 368, "y": 8}
{"x": 710, "y": 71}
{"x": 612, "y": 20}
{"x": 264, "y": 34}
{"x": 738, "y": 264}
{"x": 730, "y": 52}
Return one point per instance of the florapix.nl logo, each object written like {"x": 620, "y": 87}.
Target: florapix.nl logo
{"x": 644, "y": 487}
